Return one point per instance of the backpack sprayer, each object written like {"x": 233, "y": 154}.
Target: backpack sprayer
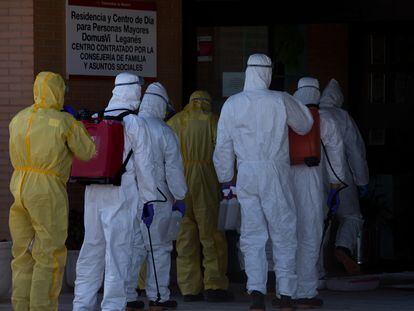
{"x": 107, "y": 132}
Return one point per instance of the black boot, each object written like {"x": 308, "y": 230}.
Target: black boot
{"x": 276, "y": 302}
{"x": 166, "y": 305}
{"x": 135, "y": 305}
{"x": 286, "y": 303}
{"x": 309, "y": 303}
{"x": 191, "y": 298}
{"x": 258, "y": 301}
{"x": 219, "y": 295}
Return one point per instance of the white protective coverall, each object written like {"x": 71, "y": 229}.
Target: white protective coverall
{"x": 310, "y": 192}
{"x": 253, "y": 127}
{"x": 356, "y": 171}
{"x": 111, "y": 210}
{"x": 169, "y": 175}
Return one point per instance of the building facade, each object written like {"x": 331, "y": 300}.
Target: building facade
{"x": 33, "y": 39}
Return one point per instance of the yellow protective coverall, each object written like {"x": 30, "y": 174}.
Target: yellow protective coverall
{"x": 196, "y": 128}
{"x": 43, "y": 141}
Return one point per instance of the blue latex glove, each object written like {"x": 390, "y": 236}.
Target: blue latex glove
{"x": 333, "y": 200}
{"x": 148, "y": 214}
{"x": 363, "y": 191}
{"x": 179, "y": 205}
{"x": 70, "y": 110}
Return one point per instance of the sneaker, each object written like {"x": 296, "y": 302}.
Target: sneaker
{"x": 309, "y": 303}
{"x": 258, "y": 301}
{"x": 135, "y": 305}
{"x": 219, "y": 295}
{"x": 191, "y": 298}
{"x": 166, "y": 305}
{"x": 343, "y": 255}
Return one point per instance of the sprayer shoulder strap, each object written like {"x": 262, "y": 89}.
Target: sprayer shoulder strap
{"x": 122, "y": 170}
{"x": 119, "y": 117}
{"x": 123, "y": 167}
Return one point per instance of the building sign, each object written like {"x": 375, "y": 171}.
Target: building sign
{"x": 104, "y": 38}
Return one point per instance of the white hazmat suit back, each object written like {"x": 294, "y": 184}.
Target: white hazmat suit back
{"x": 169, "y": 175}
{"x": 253, "y": 128}
{"x": 110, "y": 210}
{"x": 310, "y": 192}
{"x": 356, "y": 170}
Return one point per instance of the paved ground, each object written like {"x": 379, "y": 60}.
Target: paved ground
{"x": 396, "y": 293}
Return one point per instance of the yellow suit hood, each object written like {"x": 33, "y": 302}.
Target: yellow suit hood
{"x": 199, "y": 100}
{"x": 49, "y": 91}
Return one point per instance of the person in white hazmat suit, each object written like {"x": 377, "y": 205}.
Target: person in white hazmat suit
{"x": 169, "y": 175}
{"x": 311, "y": 197}
{"x": 356, "y": 176}
{"x": 110, "y": 210}
{"x": 253, "y": 128}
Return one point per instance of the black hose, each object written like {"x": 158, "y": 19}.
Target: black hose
{"x": 158, "y": 201}
{"x": 330, "y": 165}
{"x": 152, "y": 250}
{"x": 330, "y": 215}
{"x": 153, "y": 264}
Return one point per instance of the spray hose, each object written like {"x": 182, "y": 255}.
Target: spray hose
{"x": 331, "y": 214}
{"x": 151, "y": 248}
{"x": 158, "y": 201}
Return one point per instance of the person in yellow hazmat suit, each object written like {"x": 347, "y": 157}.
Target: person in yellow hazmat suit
{"x": 43, "y": 141}
{"x": 196, "y": 128}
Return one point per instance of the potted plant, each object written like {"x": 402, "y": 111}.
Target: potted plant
{"x": 5, "y": 269}
{"x": 74, "y": 241}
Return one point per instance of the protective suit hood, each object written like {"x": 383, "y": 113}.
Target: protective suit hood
{"x": 258, "y": 72}
{"x": 308, "y": 91}
{"x": 332, "y": 95}
{"x": 154, "y": 102}
{"x": 199, "y": 100}
{"x": 49, "y": 91}
{"x": 127, "y": 92}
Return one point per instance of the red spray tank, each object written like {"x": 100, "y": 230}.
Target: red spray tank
{"x": 306, "y": 149}
{"x": 107, "y": 166}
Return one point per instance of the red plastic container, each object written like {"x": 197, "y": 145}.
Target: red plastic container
{"x": 108, "y": 136}
{"x": 306, "y": 149}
